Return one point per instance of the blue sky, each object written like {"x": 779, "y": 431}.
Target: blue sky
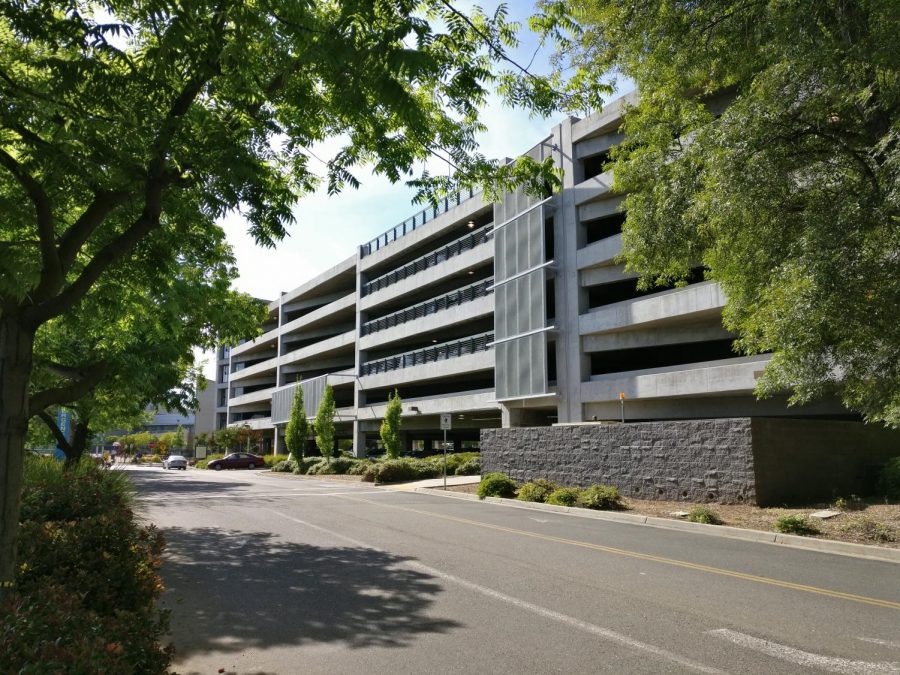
{"x": 329, "y": 228}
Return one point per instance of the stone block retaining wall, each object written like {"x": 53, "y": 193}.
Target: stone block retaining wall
{"x": 758, "y": 460}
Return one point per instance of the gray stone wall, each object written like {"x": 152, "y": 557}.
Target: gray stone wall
{"x": 696, "y": 460}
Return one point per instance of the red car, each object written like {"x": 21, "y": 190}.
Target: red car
{"x": 237, "y": 460}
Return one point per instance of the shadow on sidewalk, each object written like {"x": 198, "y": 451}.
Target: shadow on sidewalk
{"x": 231, "y": 591}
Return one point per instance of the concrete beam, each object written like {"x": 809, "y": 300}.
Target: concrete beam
{"x": 599, "y": 253}
{"x": 653, "y": 337}
{"x": 596, "y": 276}
{"x": 431, "y": 371}
{"x": 597, "y": 144}
{"x": 477, "y": 256}
{"x": 712, "y": 378}
{"x": 344, "y": 341}
{"x": 263, "y": 368}
{"x": 704, "y": 299}
{"x": 452, "y": 316}
{"x": 601, "y": 209}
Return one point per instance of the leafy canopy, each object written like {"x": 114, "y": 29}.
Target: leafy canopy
{"x": 766, "y": 146}
{"x": 325, "y": 423}
{"x": 297, "y": 428}
{"x": 390, "y": 426}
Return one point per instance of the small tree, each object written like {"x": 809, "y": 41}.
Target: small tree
{"x": 390, "y": 426}
{"x": 178, "y": 438}
{"x": 297, "y": 427}
{"x": 325, "y": 424}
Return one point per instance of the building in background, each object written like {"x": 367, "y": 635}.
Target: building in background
{"x": 504, "y": 315}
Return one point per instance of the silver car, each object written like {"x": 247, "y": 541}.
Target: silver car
{"x": 175, "y": 462}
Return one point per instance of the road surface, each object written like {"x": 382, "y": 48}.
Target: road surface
{"x": 270, "y": 574}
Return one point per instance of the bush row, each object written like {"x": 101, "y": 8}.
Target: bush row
{"x": 384, "y": 470}
{"x": 86, "y": 580}
{"x": 600, "y": 497}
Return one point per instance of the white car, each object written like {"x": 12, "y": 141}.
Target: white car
{"x": 175, "y": 462}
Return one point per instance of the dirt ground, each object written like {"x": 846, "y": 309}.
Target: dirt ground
{"x": 865, "y": 522}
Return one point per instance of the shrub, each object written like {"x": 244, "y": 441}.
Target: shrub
{"x": 271, "y": 460}
{"x": 602, "y": 498}
{"x": 359, "y": 467}
{"x": 536, "y": 490}
{"x": 705, "y": 515}
{"x": 795, "y": 524}
{"x": 496, "y": 485}
{"x": 404, "y": 469}
{"x": 564, "y": 496}
{"x": 471, "y": 467}
{"x": 870, "y": 529}
{"x": 285, "y": 466}
{"x": 87, "y": 577}
{"x": 306, "y": 464}
{"x": 336, "y": 466}
{"x": 889, "y": 480}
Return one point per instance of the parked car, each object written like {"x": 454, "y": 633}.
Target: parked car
{"x": 237, "y": 460}
{"x": 175, "y": 462}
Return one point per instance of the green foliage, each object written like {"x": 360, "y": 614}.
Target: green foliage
{"x": 601, "y": 497}
{"x": 496, "y": 484}
{"x": 536, "y": 491}
{"x": 471, "y": 467}
{"x": 305, "y": 465}
{"x": 889, "y": 480}
{"x": 87, "y": 577}
{"x": 390, "y": 426}
{"x": 337, "y": 466}
{"x": 851, "y": 503}
{"x": 285, "y": 466}
{"x": 401, "y": 470}
{"x": 360, "y": 467}
{"x": 796, "y": 524}
{"x": 226, "y": 439}
{"x": 564, "y": 496}
{"x": 786, "y": 192}
{"x": 325, "y": 423}
{"x": 297, "y": 427}
{"x": 705, "y": 515}
{"x": 178, "y": 439}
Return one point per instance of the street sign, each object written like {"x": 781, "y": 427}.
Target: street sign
{"x": 446, "y": 421}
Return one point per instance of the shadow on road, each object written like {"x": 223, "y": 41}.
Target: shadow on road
{"x": 158, "y": 484}
{"x": 231, "y": 591}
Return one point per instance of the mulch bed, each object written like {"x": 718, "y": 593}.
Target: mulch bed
{"x": 869, "y": 522}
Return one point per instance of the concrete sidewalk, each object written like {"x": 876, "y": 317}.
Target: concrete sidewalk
{"x": 434, "y": 483}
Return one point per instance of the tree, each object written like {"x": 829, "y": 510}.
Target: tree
{"x": 788, "y": 196}
{"x": 131, "y": 134}
{"x": 226, "y": 439}
{"x": 390, "y": 426}
{"x": 178, "y": 439}
{"x": 246, "y": 438}
{"x": 324, "y": 424}
{"x": 297, "y": 427}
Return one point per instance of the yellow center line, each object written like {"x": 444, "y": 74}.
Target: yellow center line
{"x": 889, "y": 604}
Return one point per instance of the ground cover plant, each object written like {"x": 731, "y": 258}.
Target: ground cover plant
{"x": 496, "y": 485}
{"x": 87, "y": 577}
{"x": 536, "y": 491}
{"x": 796, "y": 524}
{"x": 601, "y": 498}
{"x": 705, "y": 515}
{"x": 564, "y": 496}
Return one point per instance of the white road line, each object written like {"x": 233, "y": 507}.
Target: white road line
{"x": 253, "y": 495}
{"x": 894, "y": 644}
{"x": 590, "y": 628}
{"x": 799, "y": 657}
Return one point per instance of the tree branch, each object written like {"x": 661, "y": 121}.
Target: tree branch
{"x": 75, "y": 237}
{"x": 35, "y": 191}
{"x": 67, "y": 393}
{"x": 60, "y": 437}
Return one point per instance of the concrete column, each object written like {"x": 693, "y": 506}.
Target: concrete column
{"x": 359, "y": 440}
{"x": 277, "y": 442}
{"x": 520, "y": 417}
{"x": 572, "y": 364}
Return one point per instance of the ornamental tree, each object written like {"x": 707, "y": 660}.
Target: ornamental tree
{"x": 324, "y": 423}
{"x": 766, "y": 146}
{"x": 135, "y": 124}
{"x": 390, "y": 426}
{"x": 297, "y": 427}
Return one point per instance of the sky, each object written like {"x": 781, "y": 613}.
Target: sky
{"x": 329, "y": 228}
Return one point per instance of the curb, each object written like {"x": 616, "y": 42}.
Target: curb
{"x": 757, "y": 536}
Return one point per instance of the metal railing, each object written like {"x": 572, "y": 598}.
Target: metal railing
{"x": 417, "y": 220}
{"x": 462, "y": 295}
{"x": 452, "y": 249}
{"x": 441, "y": 352}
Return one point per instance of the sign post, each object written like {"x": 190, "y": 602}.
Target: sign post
{"x": 446, "y": 424}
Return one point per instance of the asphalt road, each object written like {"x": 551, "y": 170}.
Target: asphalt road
{"x": 272, "y": 574}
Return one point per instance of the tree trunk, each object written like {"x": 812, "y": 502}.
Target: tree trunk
{"x": 76, "y": 448}
{"x": 16, "y": 349}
